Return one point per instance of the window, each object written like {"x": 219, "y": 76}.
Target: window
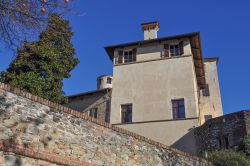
{"x": 93, "y": 112}
{"x": 205, "y": 91}
{"x": 128, "y": 56}
{"x": 226, "y": 142}
{"x": 107, "y": 112}
{"x": 178, "y": 108}
{"x": 125, "y": 56}
{"x": 109, "y": 80}
{"x": 126, "y": 113}
{"x": 220, "y": 143}
{"x": 175, "y": 50}
{"x": 207, "y": 117}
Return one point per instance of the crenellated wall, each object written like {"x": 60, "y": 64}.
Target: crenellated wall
{"x": 37, "y": 130}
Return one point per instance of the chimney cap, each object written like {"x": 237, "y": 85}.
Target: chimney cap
{"x": 150, "y": 25}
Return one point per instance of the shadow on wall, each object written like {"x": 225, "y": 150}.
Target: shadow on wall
{"x": 21, "y": 125}
{"x": 187, "y": 143}
{"x": 12, "y": 160}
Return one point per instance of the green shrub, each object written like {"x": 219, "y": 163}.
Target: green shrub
{"x": 228, "y": 158}
{"x": 246, "y": 143}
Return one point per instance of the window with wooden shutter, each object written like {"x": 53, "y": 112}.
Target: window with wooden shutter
{"x": 166, "y": 50}
{"x": 115, "y": 59}
{"x": 120, "y": 56}
{"x": 181, "y": 48}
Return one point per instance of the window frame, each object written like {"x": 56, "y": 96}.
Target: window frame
{"x": 93, "y": 112}
{"x": 125, "y": 113}
{"x": 109, "y": 80}
{"x": 125, "y": 56}
{"x": 206, "y": 91}
{"x": 175, "y": 54}
{"x": 130, "y": 56}
{"x": 176, "y": 113}
{"x": 107, "y": 111}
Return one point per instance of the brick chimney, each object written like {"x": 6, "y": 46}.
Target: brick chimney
{"x": 150, "y": 30}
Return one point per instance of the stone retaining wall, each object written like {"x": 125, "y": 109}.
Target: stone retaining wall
{"x": 31, "y": 121}
{"x": 223, "y": 132}
{"x": 9, "y": 147}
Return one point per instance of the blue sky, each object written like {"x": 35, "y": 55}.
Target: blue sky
{"x": 224, "y": 26}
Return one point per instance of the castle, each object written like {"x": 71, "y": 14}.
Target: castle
{"x": 161, "y": 88}
{"x": 163, "y": 96}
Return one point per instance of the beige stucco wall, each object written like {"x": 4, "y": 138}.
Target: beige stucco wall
{"x": 211, "y": 105}
{"x": 150, "y": 87}
{"x": 177, "y": 134}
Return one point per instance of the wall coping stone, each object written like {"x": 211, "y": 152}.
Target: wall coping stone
{"x": 22, "y": 93}
{"x": 220, "y": 118}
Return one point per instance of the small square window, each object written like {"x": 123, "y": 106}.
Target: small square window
{"x": 126, "y": 113}
{"x": 205, "y": 91}
{"x": 178, "y": 108}
{"x": 207, "y": 117}
{"x": 109, "y": 80}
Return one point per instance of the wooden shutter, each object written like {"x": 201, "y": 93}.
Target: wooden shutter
{"x": 134, "y": 54}
{"x": 166, "y": 50}
{"x": 120, "y": 56}
{"x": 181, "y": 48}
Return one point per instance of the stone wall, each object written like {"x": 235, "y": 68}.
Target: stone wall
{"x": 49, "y": 132}
{"x": 223, "y": 132}
{"x": 13, "y": 154}
{"x": 12, "y": 159}
{"x": 99, "y": 99}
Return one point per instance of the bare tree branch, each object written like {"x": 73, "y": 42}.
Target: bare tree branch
{"x": 22, "y": 20}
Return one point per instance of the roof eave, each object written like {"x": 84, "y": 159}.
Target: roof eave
{"x": 110, "y": 49}
{"x": 88, "y": 93}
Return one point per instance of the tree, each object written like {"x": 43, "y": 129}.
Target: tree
{"x": 228, "y": 158}
{"x": 22, "y": 19}
{"x": 41, "y": 66}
